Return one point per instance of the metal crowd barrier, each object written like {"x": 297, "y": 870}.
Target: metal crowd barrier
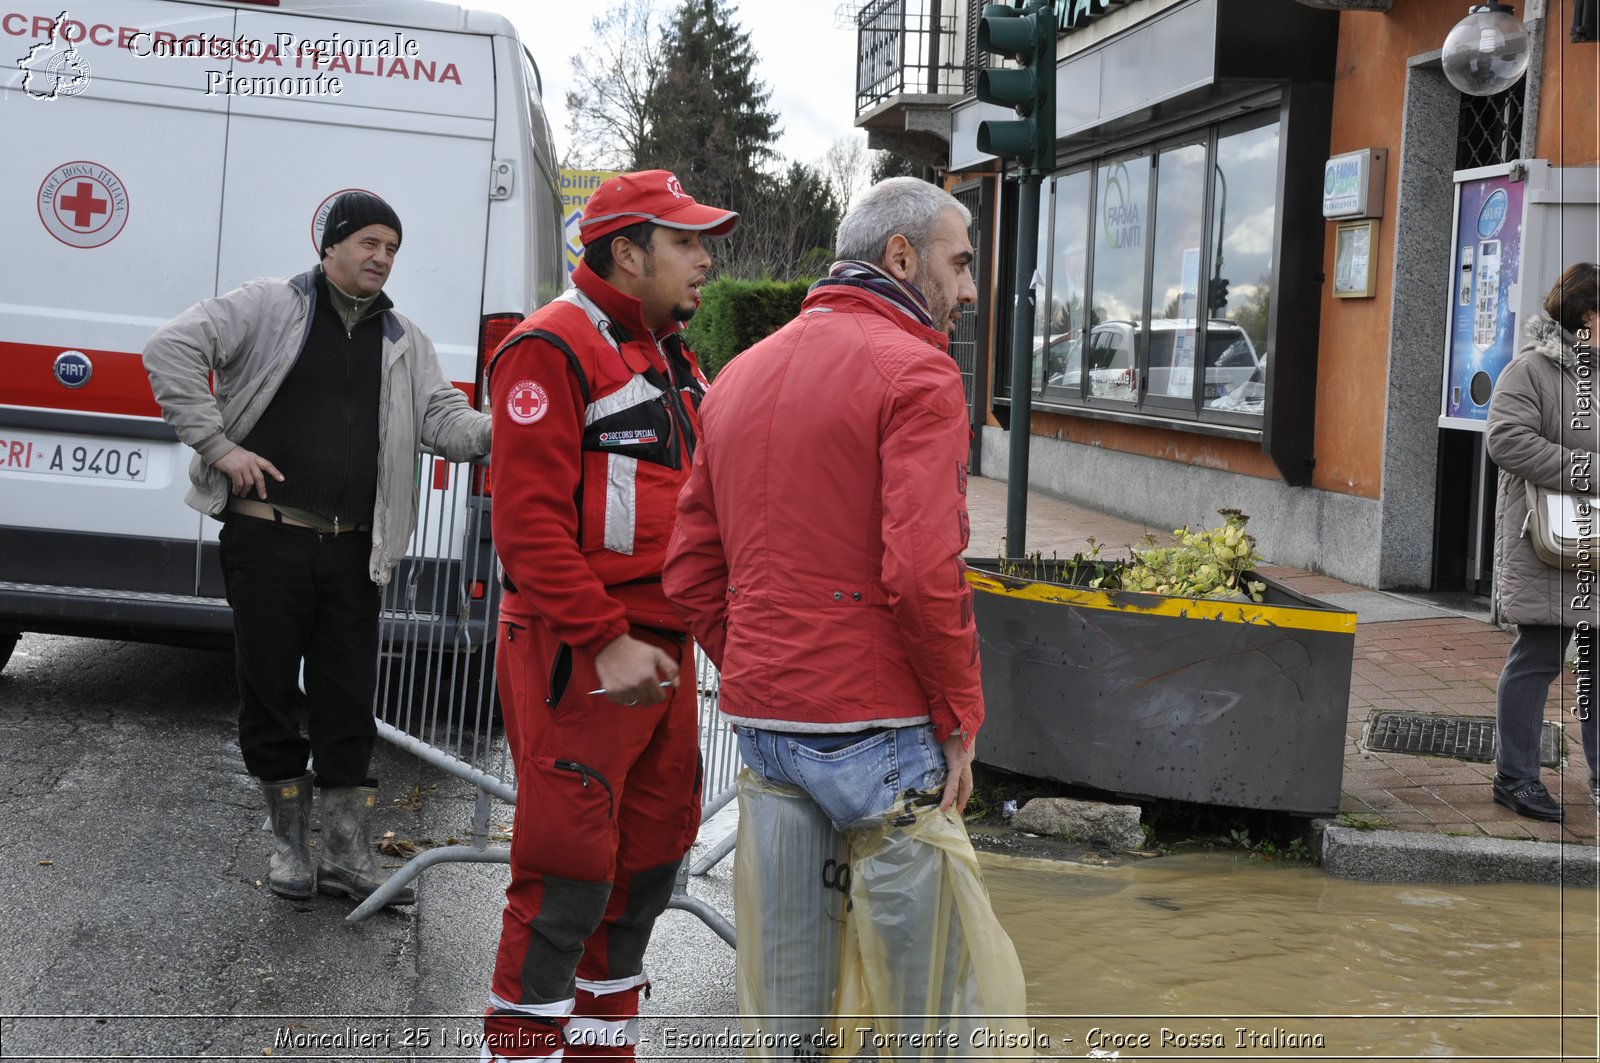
{"x": 437, "y": 695}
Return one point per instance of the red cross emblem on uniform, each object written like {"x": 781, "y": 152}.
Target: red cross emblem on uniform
{"x": 527, "y": 402}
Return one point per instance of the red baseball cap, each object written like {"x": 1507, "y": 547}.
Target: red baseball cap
{"x": 649, "y": 195}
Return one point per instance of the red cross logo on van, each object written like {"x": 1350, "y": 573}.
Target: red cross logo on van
{"x": 83, "y": 204}
{"x": 527, "y": 402}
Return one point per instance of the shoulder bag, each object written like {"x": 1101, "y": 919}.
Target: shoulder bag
{"x": 1562, "y": 526}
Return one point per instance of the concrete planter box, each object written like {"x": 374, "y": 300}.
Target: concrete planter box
{"x": 1231, "y": 703}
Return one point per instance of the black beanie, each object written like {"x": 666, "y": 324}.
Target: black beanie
{"x": 354, "y": 211}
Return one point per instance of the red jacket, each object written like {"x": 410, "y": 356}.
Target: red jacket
{"x": 595, "y": 422}
{"x": 817, "y": 558}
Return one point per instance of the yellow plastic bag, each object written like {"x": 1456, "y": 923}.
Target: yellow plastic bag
{"x": 922, "y": 968}
{"x": 938, "y": 972}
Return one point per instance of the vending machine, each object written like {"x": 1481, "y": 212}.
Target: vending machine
{"x": 1516, "y": 227}
{"x": 1482, "y": 323}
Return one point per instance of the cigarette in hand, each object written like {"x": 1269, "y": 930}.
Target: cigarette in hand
{"x": 603, "y": 690}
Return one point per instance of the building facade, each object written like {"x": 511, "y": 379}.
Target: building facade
{"x": 1245, "y": 293}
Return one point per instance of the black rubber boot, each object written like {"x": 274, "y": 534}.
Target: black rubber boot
{"x": 290, "y": 872}
{"x": 345, "y": 865}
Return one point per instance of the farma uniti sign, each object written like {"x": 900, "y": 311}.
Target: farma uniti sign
{"x": 1075, "y": 14}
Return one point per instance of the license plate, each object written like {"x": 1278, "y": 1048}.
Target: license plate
{"x": 54, "y": 455}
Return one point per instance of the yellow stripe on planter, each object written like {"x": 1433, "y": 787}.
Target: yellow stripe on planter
{"x": 1228, "y": 611}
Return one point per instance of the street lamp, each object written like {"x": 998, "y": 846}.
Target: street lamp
{"x": 1487, "y": 51}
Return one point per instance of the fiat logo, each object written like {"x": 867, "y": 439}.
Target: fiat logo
{"x": 73, "y": 369}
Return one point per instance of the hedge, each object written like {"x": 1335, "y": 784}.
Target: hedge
{"x": 736, "y": 314}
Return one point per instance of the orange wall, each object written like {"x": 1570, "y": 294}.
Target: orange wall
{"x": 1353, "y": 357}
{"x": 1569, "y": 113}
{"x": 1368, "y": 101}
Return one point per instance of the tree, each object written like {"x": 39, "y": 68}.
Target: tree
{"x": 886, "y": 164}
{"x": 708, "y": 117}
{"x": 1253, "y": 313}
{"x": 846, "y": 167}
{"x": 682, "y": 94}
{"x": 608, "y": 107}
{"x": 788, "y": 233}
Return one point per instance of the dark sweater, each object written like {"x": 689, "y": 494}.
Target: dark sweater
{"x": 321, "y": 428}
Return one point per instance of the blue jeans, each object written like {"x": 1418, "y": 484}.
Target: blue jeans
{"x": 855, "y": 778}
{"x": 800, "y": 872}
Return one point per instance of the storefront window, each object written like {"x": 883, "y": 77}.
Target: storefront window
{"x": 1068, "y": 270}
{"x": 1175, "y": 275}
{"x": 1158, "y": 293}
{"x": 1122, "y": 196}
{"x": 1244, "y": 216}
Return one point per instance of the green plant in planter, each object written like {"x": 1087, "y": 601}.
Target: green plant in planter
{"x": 1204, "y": 564}
{"x": 1086, "y": 568}
{"x": 1211, "y": 563}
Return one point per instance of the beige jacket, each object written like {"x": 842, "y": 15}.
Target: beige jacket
{"x": 1541, "y": 429}
{"x": 249, "y": 338}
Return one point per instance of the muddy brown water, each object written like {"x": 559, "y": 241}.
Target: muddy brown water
{"x": 1217, "y": 956}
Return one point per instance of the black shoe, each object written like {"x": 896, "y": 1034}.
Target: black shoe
{"x": 1529, "y": 799}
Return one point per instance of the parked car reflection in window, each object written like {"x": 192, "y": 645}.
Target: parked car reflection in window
{"x": 1235, "y": 374}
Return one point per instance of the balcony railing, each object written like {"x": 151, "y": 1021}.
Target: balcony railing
{"x": 909, "y": 47}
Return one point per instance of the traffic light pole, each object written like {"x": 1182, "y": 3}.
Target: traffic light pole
{"x": 1028, "y": 188}
{"x": 1028, "y": 36}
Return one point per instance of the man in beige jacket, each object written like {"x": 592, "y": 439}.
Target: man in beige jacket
{"x": 306, "y": 451}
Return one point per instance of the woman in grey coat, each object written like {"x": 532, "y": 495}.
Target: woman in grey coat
{"x": 1542, "y": 430}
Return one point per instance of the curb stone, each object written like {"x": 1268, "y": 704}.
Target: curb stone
{"x": 1405, "y": 856}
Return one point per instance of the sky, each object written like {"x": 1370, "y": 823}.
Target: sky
{"x": 807, "y": 64}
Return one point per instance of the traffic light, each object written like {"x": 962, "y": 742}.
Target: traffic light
{"x": 1027, "y": 35}
{"x": 1218, "y": 298}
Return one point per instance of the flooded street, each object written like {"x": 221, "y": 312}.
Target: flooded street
{"x": 1216, "y": 956}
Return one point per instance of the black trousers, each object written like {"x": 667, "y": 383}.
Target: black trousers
{"x": 297, "y": 593}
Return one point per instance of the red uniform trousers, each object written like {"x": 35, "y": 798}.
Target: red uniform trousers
{"x": 608, "y": 803}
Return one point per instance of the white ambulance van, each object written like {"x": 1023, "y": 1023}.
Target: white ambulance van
{"x": 158, "y": 152}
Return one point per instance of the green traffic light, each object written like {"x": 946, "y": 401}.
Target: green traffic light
{"x": 1013, "y": 88}
{"x": 1028, "y": 36}
{"x": 1012, "y": 36}
{"x": 1013, "y": 140}
{"x": 1218, "y": 298}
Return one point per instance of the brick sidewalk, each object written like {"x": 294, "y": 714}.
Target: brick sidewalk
{"x": 1445, "y": 664}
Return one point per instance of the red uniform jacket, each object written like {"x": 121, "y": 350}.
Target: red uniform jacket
{"x": 817, "y": 558}
{"x": 595, "y": 422}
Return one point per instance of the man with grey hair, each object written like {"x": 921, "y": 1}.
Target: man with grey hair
{"x": 817, "y": 561}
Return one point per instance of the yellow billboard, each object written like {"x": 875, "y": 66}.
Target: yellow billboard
{"x": 576, "y": 188}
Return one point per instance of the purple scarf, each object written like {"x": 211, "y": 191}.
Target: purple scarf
{"x": 904, "y": 297}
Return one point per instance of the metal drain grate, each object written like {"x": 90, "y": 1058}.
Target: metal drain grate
{"x": 1462, "y": 737}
